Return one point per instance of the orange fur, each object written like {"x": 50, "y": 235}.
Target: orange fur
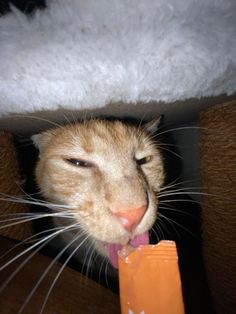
{"x": 114, "y": 179}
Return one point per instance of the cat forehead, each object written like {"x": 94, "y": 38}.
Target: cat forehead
{"x": 98, "y": 135}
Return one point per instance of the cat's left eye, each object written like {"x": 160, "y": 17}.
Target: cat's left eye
{"x": 79, "y": 163}
{"x": 143, "y": 160}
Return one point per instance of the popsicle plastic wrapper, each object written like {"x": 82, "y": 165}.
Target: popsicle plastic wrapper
{"x": 149, "y": 280}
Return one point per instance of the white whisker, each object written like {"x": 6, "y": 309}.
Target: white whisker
{"x": 90, "y": 259}
{"x": 156, "y": 234}
{"x": 35, "y": 245}
{"x": 161, "y": 224}
{"x": 32, "y": 201}
{"x": 35, "y": 218}
{"x": 176, "y": 210}
{"x": 67, "y": 120}
{"x": 76, "y": 237}
{"x": 180, "y": 189}
{"x": 36, "y": 118}
{"x": 29, "y": 240}
{"x": 192, "y": 193}
{"x": 84, "y": 262}
{"x": 29, "y": 216}
{"x": 175, "y": 182}
{"x": 101, "y": 267}
{"x": 179, "y": 200}
{"x": 180, "y": 129}
{"x": 171, "y": 222}
{"x": 59, "y": 273}
{"x": 106, "y": 271}
{"x": 171, "y": 151}
{"x": 46, "y": 240}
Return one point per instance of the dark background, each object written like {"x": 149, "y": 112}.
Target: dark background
{"x": 26, "y": 6}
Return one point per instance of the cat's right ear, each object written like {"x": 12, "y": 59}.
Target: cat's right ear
{"x": 153, "y": 125}
{"x": 41, "y": 140}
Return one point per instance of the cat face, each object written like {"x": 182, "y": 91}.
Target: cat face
{"x": 108, "y": 173}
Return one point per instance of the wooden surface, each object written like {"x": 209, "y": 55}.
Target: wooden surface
{"x": 218, "y": 176}
{"x": 10, "y": 181}
{"x": 72, "y": 293}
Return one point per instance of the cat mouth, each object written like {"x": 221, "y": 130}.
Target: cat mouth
{"x": 114, "y": 248}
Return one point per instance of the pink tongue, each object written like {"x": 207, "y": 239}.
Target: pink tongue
{"x": 135, "y": 242}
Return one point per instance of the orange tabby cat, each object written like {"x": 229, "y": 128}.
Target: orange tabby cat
{"x": 109, "y": 174}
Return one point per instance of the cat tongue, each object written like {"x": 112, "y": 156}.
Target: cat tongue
{"x": 135, "y": 242}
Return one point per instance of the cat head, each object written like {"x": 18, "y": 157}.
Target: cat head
{"x": 108, "y": 173}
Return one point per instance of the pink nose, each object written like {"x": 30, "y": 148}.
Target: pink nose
{"x": 129, "y": 216}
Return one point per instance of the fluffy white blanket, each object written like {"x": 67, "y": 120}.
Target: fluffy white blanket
{"x": 87, "y": 53}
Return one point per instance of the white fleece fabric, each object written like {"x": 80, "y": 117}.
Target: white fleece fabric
{"x": 80, "y": 54}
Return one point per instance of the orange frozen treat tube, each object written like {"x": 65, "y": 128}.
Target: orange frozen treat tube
{"x": 149, "y": 280}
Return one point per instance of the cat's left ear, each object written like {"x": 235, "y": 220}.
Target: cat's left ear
{"x": 41, "y": 140}
{"x": 153, "y": 125}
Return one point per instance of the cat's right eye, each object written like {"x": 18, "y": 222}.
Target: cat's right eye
{"x": 144, "y": 160}
{"x": 79, "y": 163}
